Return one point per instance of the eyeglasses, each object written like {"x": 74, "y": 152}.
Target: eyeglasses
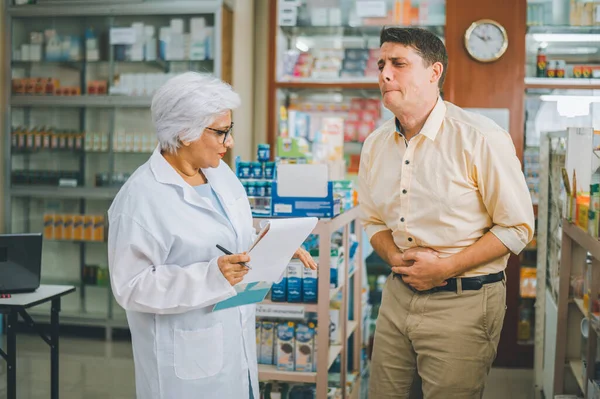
{"x": 224, "y": 133}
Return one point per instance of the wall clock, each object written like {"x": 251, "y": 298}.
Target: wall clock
{"x": 486, "y": 40}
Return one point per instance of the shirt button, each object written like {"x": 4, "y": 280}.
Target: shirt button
{"x": 402, "y": 220}
{"x": 407, "y": 162}
{"x": 409, "y": 239}
{"x": 404, "y": 191}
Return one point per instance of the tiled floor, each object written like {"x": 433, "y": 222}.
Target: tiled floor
{"x": 95, "y": 369}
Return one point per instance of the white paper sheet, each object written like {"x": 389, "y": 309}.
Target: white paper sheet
{"x": 271, "y": 255}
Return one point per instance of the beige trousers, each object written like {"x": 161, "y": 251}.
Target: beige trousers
{"x": 435, "y": 345}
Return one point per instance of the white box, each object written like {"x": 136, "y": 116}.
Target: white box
{"x": 177, "y": 25}
{"x": 92, "y": 55}
{"x": 197, "y": 27}
{"x": 335, "y": 17}
{"x": 25, "y": 51}
{"x": 288, "y": 16}
{"x": 137, "y": 52}
{"x": 319, "y": 16}
{"x": 197, "y": 50}
{"x": 176, "y": 47}
{"x": 35, "y": 52}
{"x": 150, "y": 49}
{"x": 138, "y": 28}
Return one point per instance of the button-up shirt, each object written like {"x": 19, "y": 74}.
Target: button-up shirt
{"x": 447, "y": 186}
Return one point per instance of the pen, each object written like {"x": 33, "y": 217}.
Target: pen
{"x": 226, "y": 252}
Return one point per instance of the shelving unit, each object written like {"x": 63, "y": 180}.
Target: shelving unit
{"x": 322, "y": 92}
{"x": 109, "y": 116}
{"x": 550, "y": 103}
{"x": 327, "y": 353}
{"x": 576, "y": 243}
{"x": 562, "y": 83}
{"x": 81, "y": 101}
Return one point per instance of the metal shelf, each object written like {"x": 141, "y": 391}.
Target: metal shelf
{"x": 562, "y": 29}
{"x": 562, "y": 83}
{"x": 308, "y": 83}
{"x": 100, "y": 193}
{"x": 81, "y": 101}
{"x": 346, "y": 30}
{"x": 65, "y": 9}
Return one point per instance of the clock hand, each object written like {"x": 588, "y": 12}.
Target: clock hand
{"x": 481, "y": 37}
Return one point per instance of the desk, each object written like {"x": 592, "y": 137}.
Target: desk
{"x": 18, "y": 305}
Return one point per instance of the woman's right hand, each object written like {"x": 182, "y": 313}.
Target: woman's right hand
{"x": 231, "y": 268}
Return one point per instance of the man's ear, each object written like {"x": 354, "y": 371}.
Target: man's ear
{"x": 437, "y": 71}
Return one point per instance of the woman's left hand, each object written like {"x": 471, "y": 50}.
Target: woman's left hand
{"x": 305, "y": 258}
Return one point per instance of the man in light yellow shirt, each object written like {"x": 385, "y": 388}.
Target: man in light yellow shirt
{"x": 444, "y": 202}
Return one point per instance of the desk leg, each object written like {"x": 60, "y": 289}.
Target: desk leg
{"x": 54, "y": 348}
{"x": 11, "y": 363}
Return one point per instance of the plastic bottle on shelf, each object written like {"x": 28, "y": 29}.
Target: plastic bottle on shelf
{"x": 541, "y": 63}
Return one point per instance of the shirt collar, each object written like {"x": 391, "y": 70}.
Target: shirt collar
{"x": 433, "y": 123}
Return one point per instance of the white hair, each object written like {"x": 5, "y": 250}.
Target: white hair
{"x": 186, "y": 104}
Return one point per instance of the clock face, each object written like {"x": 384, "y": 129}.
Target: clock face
{"x": 486, "y": 41}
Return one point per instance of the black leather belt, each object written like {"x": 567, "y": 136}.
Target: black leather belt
{"x": 467, "y": 283}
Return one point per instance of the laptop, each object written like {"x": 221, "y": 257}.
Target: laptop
{"x": 20, "y": 262}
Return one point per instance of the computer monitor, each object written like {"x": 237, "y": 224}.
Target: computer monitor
{"x": 20, "y": 262}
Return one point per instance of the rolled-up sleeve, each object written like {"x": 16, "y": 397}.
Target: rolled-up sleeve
{"x": 370, "y": 217}
{"x": 504, "y": 190}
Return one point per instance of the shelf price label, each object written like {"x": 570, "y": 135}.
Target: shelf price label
{"x": 280, "y": 311}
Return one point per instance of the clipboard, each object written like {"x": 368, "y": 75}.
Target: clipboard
{"x": 270, "y": 255}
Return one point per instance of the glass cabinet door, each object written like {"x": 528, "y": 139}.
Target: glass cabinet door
{"x": 327, "y": 95}
{"x": 80, "y": 124}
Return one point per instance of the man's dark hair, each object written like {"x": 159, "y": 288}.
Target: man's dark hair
{"x": 425, "y": 43}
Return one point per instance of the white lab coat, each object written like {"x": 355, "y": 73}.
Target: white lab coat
{"x": 162, "y": 258}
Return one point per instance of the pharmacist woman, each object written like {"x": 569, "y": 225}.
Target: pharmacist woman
{"x": 165, "y": 268}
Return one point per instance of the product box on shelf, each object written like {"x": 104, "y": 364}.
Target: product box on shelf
{"x": 73, "y": 227}
{"x": 310, "y": 287}
{"x": 258, "y": 332}
{"x": 68, "y": 227}
{"x": 305, "y": 347}
{"x": 324, "y": 207}
{"x": 294, "y": 281}
{"x": 78, "y": 227}
{"x": 279, "y": 290}
{"x": 267, "y": 340}
{"x": 286, "y": 344}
